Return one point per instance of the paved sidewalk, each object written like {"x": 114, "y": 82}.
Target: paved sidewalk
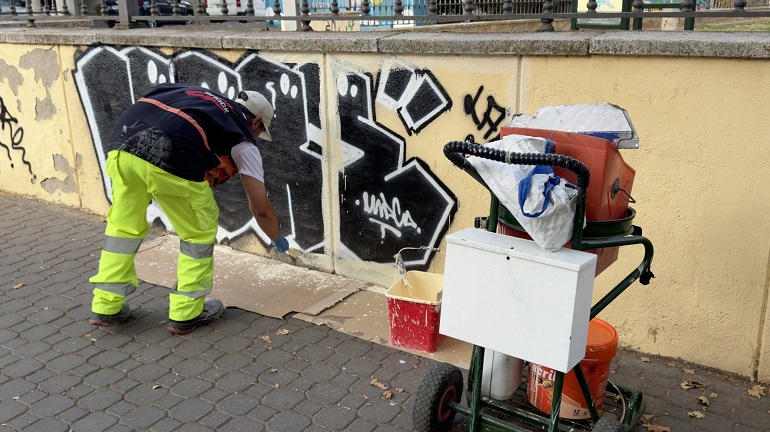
{"x": 58, "y": 373}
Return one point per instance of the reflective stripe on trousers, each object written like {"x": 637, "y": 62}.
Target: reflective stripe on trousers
{"x": 192, "y": 211}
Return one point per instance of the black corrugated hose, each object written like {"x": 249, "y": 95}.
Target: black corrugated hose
{"x": 455, "y": 151}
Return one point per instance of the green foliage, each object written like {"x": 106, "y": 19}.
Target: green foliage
{"x": 744, "y": 26}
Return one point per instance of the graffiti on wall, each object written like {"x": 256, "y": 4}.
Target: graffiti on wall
{"x": 414, "y": 94}
{"x": 387, "y": 203}
{"x": 398, "y": 203}
{"x": 110, "y": 80}
{"x": 486, "y": 118}
{"x": 12, "y": 141}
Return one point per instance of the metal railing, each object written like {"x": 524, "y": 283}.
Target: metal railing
{"x": 386, "y": 13}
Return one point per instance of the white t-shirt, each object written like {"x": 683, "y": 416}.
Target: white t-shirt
{"x": 248, "y": 160}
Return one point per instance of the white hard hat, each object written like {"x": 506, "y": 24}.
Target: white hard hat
{"x": 257, "y": 105}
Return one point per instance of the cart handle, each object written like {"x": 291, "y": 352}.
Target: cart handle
{"x": 455, "y": 151}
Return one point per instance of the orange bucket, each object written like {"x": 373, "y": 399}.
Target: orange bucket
{"x": 600, "y": 350}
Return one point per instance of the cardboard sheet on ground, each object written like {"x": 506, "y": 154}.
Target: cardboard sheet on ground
{"x": 247, "y": 281}
{"x": 273, "y": 288}
{"x": 365, "y": 315}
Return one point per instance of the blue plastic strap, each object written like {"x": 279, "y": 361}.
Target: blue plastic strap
{"x": 526, "y": 183}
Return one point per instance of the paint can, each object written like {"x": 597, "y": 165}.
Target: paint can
{"x": 600, "y": 350}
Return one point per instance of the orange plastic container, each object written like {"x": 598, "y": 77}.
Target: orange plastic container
{"x": 600, "y": 350}
{"x": 603, "y": 160}
{"x": 609, "y": 173}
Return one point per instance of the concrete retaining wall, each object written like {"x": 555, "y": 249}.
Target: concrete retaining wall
{"x": 356, "y": 169}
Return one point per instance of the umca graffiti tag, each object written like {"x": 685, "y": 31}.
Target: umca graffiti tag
{"x": 15, "y": 136}
{"x": 386, "y": 213}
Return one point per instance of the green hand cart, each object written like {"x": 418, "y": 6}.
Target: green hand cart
{"x": 440, "y": 394}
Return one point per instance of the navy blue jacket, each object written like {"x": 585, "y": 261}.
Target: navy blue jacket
{"x": 185, "y": 130}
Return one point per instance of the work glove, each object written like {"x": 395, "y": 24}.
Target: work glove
{"x": 281, "y": 245}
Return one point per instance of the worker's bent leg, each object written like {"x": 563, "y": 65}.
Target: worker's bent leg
{"x": 126, "y": 227}
{"x": 193, "y": 212}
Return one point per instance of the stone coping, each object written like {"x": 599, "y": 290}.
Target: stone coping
{"x": 577, "y": 43}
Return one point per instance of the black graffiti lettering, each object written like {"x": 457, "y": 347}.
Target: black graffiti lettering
{"x": 380, "y": 208}
{"x": 410, "y": 207}
{"x": 293, "y": 171}
{"x": 414, "y": 208}
{"x": 15, "y": 134}
{"x": 486, "y": 120}
{"x": 416, "y": 95}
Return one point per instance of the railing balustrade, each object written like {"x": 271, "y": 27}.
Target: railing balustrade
{"x": 387, "y": 13}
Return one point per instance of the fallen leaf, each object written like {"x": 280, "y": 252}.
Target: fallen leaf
{"x": 671, "y": 364}
{"x": 692, "y": 384}
{"x": 645, "y": 359}
{"x": 387, "y": 394}
{"x": 704, "y": 400}
{"x": 265, "y": 338}
{"x": 713, "y": 395}
{"x": 156, "y": 386}
{"x": 689, "y": 371}
{"x": 696, "y": 414}
{"x": 399, "y": 390}
{"x": 282, "y": 332}
{"x": 647, "y": 422}
{"x": 378, "y": 384}
{"x": 757, "y": 391}
{"x": 18, "y": 286}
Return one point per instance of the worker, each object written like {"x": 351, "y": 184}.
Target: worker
{"x": 173, "y": 145}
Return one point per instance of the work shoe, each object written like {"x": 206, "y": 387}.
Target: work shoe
{"x": 108, "y": 320}
{"x": 212, "y": 311}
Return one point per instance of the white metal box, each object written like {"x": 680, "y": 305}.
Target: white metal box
{"x": 509, "y": 295}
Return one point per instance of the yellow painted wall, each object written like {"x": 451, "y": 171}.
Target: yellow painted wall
{"x": 699, "y": 184}
{"x": 35, "y": 134}
{"x": 698, "y": 198}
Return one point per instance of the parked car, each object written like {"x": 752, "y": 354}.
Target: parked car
{"x": 5, "y": 7}
{"x": 112, "y": 7}
{"x": 166, "y": 7}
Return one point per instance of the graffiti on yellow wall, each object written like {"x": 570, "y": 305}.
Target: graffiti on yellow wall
{"x": 12, "y": 141}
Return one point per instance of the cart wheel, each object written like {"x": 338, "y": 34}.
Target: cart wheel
{"x": 608, "y": 425}
{"x": 442, "y": 384}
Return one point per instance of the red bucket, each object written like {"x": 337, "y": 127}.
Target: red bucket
{"x": 600, "y": 350}
{"x": 414, "y": 311}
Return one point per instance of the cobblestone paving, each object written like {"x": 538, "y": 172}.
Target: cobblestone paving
{"x": 58, "y": 373}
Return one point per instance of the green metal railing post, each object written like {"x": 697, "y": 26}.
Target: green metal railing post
{"x": 558, "y": 387}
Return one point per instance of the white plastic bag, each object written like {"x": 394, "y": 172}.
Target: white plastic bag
{"x": 547, "y": 199}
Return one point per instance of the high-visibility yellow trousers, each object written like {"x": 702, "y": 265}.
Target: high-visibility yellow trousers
{"x": 192, "y": 211}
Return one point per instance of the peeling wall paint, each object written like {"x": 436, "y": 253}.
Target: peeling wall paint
{"x": 62, "y": 165}
{"x": 45, "y": 64}
{"x": 12, "y": 76}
